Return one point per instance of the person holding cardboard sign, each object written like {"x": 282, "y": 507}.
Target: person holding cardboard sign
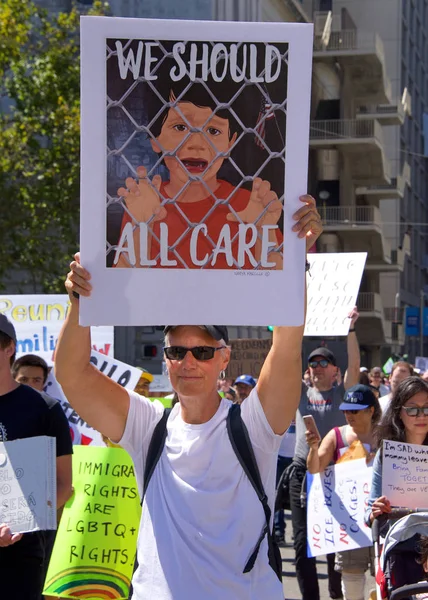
{"x": 322, "y": 401}
{"x": 352, "y": 441}
{"x": 405, "y": 420}
{"x": 204, "y": 532}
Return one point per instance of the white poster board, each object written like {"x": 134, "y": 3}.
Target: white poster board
{"x": 28, "y": 484}
{"x": 333, "y": 285}
{"x": 81, "y": 432}
{"x": 336, "y": 503}
{"x": 405, "y": 474}
{"x": 38, "y": 319}
{"x": 185, "y": 170}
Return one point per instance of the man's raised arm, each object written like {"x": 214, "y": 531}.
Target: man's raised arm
{"x": 101, "y": 402}
{"x": 280, "y": 383}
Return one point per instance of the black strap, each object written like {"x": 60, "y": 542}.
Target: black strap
{"x": 241, "y": 444}
{"x": 155, "y": 449}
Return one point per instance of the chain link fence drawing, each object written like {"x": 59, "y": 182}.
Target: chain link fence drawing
{"x": 257, "y": 109}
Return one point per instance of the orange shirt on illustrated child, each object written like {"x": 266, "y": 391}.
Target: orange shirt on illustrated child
{"x": 195, "y": 213}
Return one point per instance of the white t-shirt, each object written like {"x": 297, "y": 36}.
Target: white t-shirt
{"x": 201, "y": 517}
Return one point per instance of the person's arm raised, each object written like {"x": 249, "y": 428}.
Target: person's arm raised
{"x": 352, "y": 374}
{"x": 100, "y": 401}
{"x": 280, "y": 383}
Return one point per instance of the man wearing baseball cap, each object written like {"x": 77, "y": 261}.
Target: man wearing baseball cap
{"x": 26, "y": 412}
{"x": 244, "y": 384}
{"x": 322, "y": 401}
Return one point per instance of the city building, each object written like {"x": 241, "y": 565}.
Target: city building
{"x": 367, "y": 163}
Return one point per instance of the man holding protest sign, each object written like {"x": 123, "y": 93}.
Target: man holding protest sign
{"x": 24, "y": 413}
{"x": 322, "y": 401}
{"x": 202, "y": 520}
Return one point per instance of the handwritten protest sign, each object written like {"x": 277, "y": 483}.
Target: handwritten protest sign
{"x": 160, "y": 214}
{"x": 96, "y": 542}
{"x": 333, "y": 286}
{"x": 28, "y": 484}
{"x": 337, "y": 500}
{"x": 38, "y": 319}
{"x": 248, "y": 356}
{"x": 405, "y": 474}
{"x": 81, "y": 432}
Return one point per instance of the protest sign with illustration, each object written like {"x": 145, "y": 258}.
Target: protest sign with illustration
{"x": 333, "y": 285}
{"x": 96, "y": 543}
{"x": 198, "y": 189}
{"x": 405, "y": 474}
{"x": 28, "y": 484}
{"x": 38, "y": 319}
{"x": 337, "y": 500}
{"x": 124, "y": 374}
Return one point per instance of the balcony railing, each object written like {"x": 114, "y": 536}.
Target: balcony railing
{"x": 351, "y": 215}
{"x": 352, "y": 39}
{"x": 382, "y": 110}
{"x": 394, "y": 314}
{"x": 369, "y": 302}
{"x": 346, "y": 129}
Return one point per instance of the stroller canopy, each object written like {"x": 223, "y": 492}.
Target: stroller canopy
{"x": 403, "y": 530}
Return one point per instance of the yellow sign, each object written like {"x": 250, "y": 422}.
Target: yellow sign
{"x": 96, "y": 543}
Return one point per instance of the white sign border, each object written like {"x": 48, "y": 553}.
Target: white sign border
{"x": 118, "y": 296}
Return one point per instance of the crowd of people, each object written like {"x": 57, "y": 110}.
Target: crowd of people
{"x": 224, "y": 446}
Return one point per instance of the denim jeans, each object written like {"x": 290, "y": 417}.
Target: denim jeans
{"x": 279, "y": 523}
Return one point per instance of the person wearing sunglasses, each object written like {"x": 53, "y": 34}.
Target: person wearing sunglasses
{"x": 352, "y": 441}
{"x": 322, "y": 401}
{"x": 201, "y": 520}
{"x": 405, "y": 420}
{"x": 243, "y": 385}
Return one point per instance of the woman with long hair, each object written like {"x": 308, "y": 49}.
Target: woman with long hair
{"x": 405, "y": 420}
{"x": 351, "y": 441}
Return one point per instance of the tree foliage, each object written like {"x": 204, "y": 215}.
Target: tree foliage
{"x": 39, "y": 143}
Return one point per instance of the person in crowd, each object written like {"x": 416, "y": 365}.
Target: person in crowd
{"x": 143, "y": 385}
{"x": 375, "y": 378}
{"x": 244, "y": 384}
{"x": 399, "y": 372}
{"x": 351, "y": 441}
{"x": 364, "y": 377}
{"x": 26, "y": 412}
{"x": 322, "y": 401}
{"x": 230, "y": 394}
{"x": 405, "y": 420}
{"x": 285, "y": 458}
{"x": 181, "y": 553}
{"x": 31, "y": 370}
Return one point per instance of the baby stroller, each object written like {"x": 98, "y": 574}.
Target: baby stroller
{"x": 399, "y": 574}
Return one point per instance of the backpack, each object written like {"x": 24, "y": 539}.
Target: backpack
{"x": 241, "y": 444}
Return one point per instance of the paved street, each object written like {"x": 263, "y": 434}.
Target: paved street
{"x": 291, "y": 588}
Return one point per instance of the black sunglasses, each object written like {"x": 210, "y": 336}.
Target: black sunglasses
{"x": 322, "y": 363}
{"x": 199, "y": 352}
{"x": 354, "y": 411}
{"x": 415, "y": 411}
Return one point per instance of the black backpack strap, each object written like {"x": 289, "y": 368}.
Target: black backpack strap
{"x": 241, "y": 444}
{"x": 155, "y": 449}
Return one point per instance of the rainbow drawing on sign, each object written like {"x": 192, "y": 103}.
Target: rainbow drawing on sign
{"x": 89, "y": 582}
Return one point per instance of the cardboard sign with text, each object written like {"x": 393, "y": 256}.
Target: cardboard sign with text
{"x": 95, "y": 547}
{"x": 38, "y": 319}
{"x": 405, "y": 474}
{"x": 333, "y": 285}
{"x": 189, "y": 148}
{"x": 337, "y": 500}
{"x": 28, "y": 484}
{"x": 247, "y": 357}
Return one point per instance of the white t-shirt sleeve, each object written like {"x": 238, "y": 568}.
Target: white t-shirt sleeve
{"x": 261, "y": 433}
{"x": 143, "y": 416}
